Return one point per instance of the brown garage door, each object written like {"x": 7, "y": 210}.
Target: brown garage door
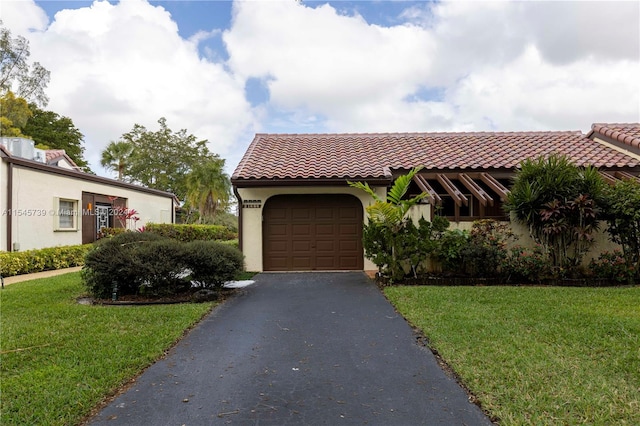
{"x": 312, "y": 232}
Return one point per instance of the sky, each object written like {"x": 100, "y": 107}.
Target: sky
{"x": 225, "y": 70}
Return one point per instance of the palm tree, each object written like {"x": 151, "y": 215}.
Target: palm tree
{"x": 208, "y": 188}
{"x": 387, "y": 219}
{"x": 115, "y": 156}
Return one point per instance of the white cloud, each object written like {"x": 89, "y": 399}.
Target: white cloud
{"x": 116, "y": 65}
{"x": 452, "y": 66}
{"x": 497, "y": 65}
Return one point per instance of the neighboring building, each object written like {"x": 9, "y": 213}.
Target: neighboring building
{"x": 297, "y": 211}
{"x": 46, "y": 201}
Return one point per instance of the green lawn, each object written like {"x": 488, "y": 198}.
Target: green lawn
{"x": 59, "y": 358}
{"x": 537, "y": 355}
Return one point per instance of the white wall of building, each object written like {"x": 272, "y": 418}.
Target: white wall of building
{"x": 35, "y": 204}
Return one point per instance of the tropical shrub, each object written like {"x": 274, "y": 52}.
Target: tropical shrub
{"x": 383, "y": 234}
{"x": 561, "y": 204}
{"x": 525, "y": 265}
{"x": 487, "y": 248}
{"x": 622, "y": 213}
{"x": 614, "y": 267}
{"x": 452, "y": 243}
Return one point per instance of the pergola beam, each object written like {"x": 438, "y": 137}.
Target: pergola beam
{"x": 475, "y": 189}
{"x": 451, "y": 189}
{"x": 434, "y": 198}
{"x": 496, "y": 186}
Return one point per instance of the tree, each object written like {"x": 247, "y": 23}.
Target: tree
{"x": 163, "y": 159}
{"x": 208, "y": 188}
{"x": 560, "y": 203}
{"x": 116, "y": 157}
{"x": 27, "y": 80}
{"x": 622, "y": 213}
{"x": 14, "y": 114}
{"x": 387, "y": 220}
{"x": 49, "y": 130}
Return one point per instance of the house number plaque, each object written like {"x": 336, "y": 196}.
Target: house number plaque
{"x": 251, "y": 204}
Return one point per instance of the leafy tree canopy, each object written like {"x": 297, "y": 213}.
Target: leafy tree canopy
{"x": 14, "y": 114}
{"x": 27, "y": 80}
{"x": 162, "y": 159}
{"x": 49, "y": 130}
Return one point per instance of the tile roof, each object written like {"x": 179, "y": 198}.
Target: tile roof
{"x": 627, "y": 133}
{"x": 372, "y": 155}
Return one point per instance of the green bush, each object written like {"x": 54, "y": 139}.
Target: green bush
{"x": 452, "y": 244}
{"x": 212, "y": 263}
{"x": 525, "y": 265}
{"x": 149, "y": 264}
{"x": 116, "y": 262}
{"x": 613, "y": 266}
{"x": 47, "y": 259}
{"x": 162, "y": 268}
{"x": 187, "y": 233}
{"x": 487, "y": 248}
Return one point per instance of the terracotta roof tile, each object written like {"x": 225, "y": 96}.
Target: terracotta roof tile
{"x": 628, "y": 133}
{"x": 368, "y": 155}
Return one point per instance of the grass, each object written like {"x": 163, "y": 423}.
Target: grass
{"x": 537, "y": 355}
{"x": 59, "y": 359}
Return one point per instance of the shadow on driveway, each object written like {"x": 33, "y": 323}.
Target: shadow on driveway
{"x": 299, "y": 349}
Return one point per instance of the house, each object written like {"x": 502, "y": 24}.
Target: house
{"x": 297, "y": 211}
{"x": 46, "y": 201}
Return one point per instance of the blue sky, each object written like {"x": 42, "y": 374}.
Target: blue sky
{"x": 226, "y": 70}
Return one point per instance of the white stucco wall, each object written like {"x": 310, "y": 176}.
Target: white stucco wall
{"x": 252, "y": 217}
{"x": 34, "y": 195}
{"x": 3, "y": 205}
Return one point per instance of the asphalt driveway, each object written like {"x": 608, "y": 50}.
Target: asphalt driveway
{"x": 298, "y": 349}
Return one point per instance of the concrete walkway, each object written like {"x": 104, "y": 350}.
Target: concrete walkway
{"x": 297, "y": 349}
{"x": 37, "y": 275}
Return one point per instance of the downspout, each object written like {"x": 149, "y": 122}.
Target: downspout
{"x": 235, "y": 192}
{"x": 9, "y": 204}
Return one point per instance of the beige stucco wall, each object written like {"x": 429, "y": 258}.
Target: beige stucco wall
{"x": 252, "y": 217}
{"x": 34, "y": 198}
{"x": 601, "y": 241}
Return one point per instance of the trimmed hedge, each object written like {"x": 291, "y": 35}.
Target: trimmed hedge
{"x": 187, "y": 233}
{"x": 47, "y": 259}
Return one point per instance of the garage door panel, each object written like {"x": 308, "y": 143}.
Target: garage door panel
{"x": 325, "y": 213}
{"x": 349, "y": 262}
{"x": 348, "y": 213}
{"x": 325, "y": 229}
{"x": 301, "y": 263}
{"x": 275, "y": 246}
{"x": 348, "y": 245}
{"x": 277, "y": 230}
{"x": 301, "y": 213}
{"x": 300, "y": 229}
{"x": 301, "y": 245}
{"x": 312, "y": 232}
{"x": 349, "y": 229}
{"x": 277, "y": 213}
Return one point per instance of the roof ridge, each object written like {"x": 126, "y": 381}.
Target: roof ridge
{"x": 482, "y": 132}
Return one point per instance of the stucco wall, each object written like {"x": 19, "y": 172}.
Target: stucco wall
{"x": 3, "y": 205}
{"x": 252, "y": 216}
{"x": 34, "y": 194}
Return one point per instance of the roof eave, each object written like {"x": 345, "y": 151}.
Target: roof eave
{"x": 264, "y": 182}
